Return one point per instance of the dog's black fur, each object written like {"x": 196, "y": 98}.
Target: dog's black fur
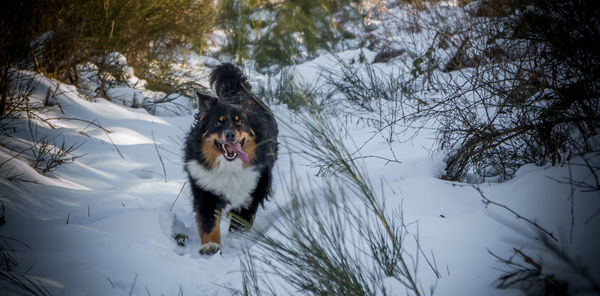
{"x": 235, "y": 111}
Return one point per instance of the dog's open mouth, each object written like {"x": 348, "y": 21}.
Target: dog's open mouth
{"x": 232, "y": 150}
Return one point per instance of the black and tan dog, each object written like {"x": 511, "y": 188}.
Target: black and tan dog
{"x": 229, "y": 154}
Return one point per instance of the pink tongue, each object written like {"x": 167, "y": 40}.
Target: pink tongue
{"x": 238, "y": 149}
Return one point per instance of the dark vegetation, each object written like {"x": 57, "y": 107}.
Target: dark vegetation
{"x": 529, "y": 94}
{"x": 63, "y": 39}
{"x": 535, "y": 84}
{"x": 507, "y": 82}
{"x": 54, "y": 37}
{"x": 281, "y": 33}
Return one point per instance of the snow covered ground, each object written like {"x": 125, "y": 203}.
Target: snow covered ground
{"x": 105, "y": 223}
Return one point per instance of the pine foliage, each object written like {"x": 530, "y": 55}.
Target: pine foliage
{"x": 68, "y": 33}
{"x": 280, "y": 33}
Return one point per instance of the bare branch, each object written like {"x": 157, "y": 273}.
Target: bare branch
{"x": 487, "y": 202}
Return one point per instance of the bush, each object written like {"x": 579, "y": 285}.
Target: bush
{"x": 508, "y": 82}
{"x": 15, "y": 47}
{"x": 534, "y": 95}
{"x": 46, "y": 154}
{"x": 68, "y": 33}
{"x": 281, "y": 33}
{"x": 284, "y": 90}
{"x": 335, "y": 240}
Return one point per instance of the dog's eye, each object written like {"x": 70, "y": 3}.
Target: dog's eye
{"x": 220, "y": 121}
{"x": 238, "y": 121}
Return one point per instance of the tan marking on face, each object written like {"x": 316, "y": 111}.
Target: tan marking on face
{"x": 214, "y": 236}
{"x": 221, "y": 118}
{"x": 210, "y": 152}
{"x": 249, "y": 144}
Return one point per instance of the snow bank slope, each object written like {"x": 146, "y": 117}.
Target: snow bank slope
{"x": 104, "y": 224}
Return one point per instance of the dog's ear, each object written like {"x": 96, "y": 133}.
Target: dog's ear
{"x": 205, "y": 102}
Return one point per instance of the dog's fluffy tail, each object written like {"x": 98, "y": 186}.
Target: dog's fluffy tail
{"x": 228, "y": 80}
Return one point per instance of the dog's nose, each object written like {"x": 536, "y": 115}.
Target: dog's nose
{"x": 229, "y": 136}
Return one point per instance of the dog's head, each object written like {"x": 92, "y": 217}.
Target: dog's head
{"x": 225, "y": 132}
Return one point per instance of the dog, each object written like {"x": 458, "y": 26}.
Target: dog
{"x": 229, "y": 155}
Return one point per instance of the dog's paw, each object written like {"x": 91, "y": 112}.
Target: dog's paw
{"x": 209, "y": 248}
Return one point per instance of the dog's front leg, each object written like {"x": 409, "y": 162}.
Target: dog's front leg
{"x": 209, "y": 230}
{"x": 206, "y": 207}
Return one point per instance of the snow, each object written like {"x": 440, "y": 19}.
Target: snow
{"x": 105, "y": 223}
{"x": 122, "y": 215}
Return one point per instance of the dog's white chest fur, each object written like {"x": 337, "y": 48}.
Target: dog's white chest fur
{"x": 229, "y": 179}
